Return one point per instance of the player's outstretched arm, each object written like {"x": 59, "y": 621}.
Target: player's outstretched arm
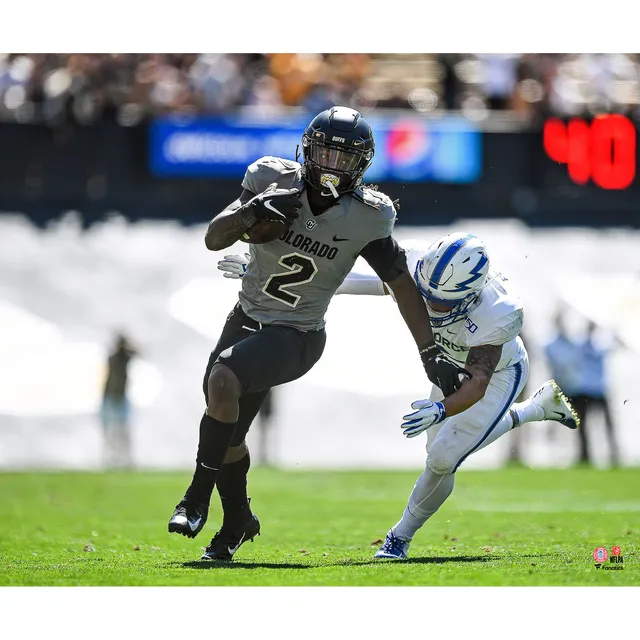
{"x": 358, "y": 283}
{"x": 229, "y": 225}
{"x": 389, "y": 262}
{"x": 412, "y": 308}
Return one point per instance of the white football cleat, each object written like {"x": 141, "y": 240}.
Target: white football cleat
{"x": 556, "y": 406}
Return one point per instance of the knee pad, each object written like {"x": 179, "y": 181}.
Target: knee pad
{"x": 442, "y": 458}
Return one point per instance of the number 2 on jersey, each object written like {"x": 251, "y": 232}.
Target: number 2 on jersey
{"x": 301, "y": 270}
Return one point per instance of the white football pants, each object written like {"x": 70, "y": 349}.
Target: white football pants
{"x": 452, "y": 441}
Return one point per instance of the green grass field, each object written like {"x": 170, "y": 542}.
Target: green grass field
{"x": 509, "y": 527}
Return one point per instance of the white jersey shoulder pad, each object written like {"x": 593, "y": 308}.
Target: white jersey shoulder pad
{"x": 498, "y": 316}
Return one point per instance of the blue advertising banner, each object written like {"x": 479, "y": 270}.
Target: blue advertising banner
{"x": 408, "y": 148}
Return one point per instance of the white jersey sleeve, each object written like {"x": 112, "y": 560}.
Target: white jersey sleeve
{"x": 362, "y": 279}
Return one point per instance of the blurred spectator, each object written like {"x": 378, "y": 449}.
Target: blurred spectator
{"x": 295, "y": 74}
{"x": 396, "y": 98}
{"x": 562, "y": 356}
{"x": 533, "y": 77}
{"x": 451, "y": 84}
{"x": 264, "y": 93}
{"x": 321, "y": 96}
{"x": 498, "y": 79}
{"x": 578, "y": 367}
{"x": 115, "y": 410}
{"x": 591, "y": 392}
{"x": 217, "y": 80}
{"x": 58, "y": 88}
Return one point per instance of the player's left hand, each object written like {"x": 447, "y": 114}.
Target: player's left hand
{"x": 441, "y": 372}
{"x": 428, "y": 413}
{"x": 234, "y": 266}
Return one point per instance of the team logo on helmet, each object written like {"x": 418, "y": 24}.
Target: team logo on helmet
{"x": 328, "y": 178}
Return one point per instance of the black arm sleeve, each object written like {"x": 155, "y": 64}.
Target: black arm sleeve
{"x": 386, "y": 257}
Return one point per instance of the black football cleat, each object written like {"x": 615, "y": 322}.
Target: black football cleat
{"x": 229, "y": 539}
{"x": 188, "y": 518}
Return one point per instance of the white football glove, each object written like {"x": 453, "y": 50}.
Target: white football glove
{"x": 428, "y": 413}
{"x": 234, "y": 266}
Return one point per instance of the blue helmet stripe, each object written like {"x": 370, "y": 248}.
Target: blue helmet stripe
{"x": 446, "y": 258}
{"x": 475, "y": 275}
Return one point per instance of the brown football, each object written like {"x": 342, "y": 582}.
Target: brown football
{"x": 264, "y": 231}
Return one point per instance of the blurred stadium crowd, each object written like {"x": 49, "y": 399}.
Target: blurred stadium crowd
{"x": 83, "y": 88}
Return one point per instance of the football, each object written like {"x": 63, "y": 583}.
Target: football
{"x": 264, "y": 231}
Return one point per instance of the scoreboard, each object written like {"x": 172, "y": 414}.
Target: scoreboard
{"x": 602, "y": 152}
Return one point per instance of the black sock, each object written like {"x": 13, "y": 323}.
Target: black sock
{"x": 232, "y": 487}
{"x": 215, "y": 438}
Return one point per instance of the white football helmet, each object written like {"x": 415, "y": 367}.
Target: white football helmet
{"x": 452, "y": 273}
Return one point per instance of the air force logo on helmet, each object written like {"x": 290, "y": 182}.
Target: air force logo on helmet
{"x": 451, "y": 275}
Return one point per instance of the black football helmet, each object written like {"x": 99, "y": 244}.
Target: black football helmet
{"x": 338, "y": 148}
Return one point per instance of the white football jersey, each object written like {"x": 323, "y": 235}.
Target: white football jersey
{"x": 495, "y": 318}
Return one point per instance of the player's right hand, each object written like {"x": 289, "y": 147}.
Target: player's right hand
{"x": 441, "y": 372}
{"x": 234, "y": 266}
{"x": 278, "y": 205}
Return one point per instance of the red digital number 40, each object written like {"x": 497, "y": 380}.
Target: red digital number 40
{"x": 604, "y": 150}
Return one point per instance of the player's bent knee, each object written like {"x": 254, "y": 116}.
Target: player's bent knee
{"x": 442, "y": 459}
{"x": 236, "y": 453}
{"x": 223, "y": 385}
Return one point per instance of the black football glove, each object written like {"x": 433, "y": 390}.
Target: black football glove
{"x": 440, "y": 371}
{"x": 279, "y": 205}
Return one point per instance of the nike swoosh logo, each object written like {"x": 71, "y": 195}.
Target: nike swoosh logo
{"x": 204, "y": 465}
{"x": 453, "y": 333}
{"x": 267, "y": 203}
{"x": 336, "y": 239}
{"x": 562, "y": 416}
{"x": 194, "y": 525}
{"x": 232, "y": 550}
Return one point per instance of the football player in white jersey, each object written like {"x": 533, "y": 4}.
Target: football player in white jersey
{"x": 476, "y": 322}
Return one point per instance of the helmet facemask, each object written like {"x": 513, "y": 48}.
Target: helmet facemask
{"x": 457, "y": 309}
{"x": 332, "y": 166}
{"x": 458, "y": 303}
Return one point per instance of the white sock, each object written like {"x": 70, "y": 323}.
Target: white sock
{"x": 526, "y": 411}
{"x": 428, "y": 495}
{"x": 519, "y": 413}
